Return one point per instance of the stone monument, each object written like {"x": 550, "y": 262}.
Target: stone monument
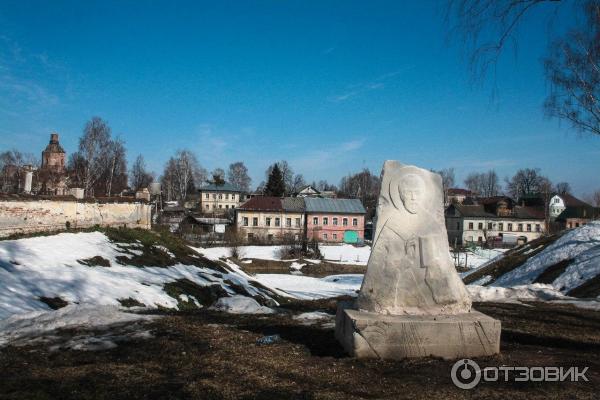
{"x": 412, "y": 302}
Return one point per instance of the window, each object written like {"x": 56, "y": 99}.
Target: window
{"x": 509, "y": 227}
{"x": 489, "y": 225}
{"x": 207, "y": 206}
{"x": 501, "y": 226}
{"x": 250, "y": 236}
{"x": 226, "y": 205}
{"x": 268, "y": 221}
{"x": 470, "y": 225}
{"x": 528, "y": 227}
{"x": 245, "y": 221}
{"x": 345, "y": 222}
{"x": 480, "y": 225}
{"x": 277, "y": 222}
{"x": 458, "y": 226}
{"x": 220, "y": 205}
{"x": 226, "y": 196}
{"x": 220, "y": 196}
{"x": 538, "y": 228}
{"x": 316, "y": 221}
{"x": 480, "y": 239}
{"x": 233, "y": 197}
{"x": 255, "y": 221}
{"x": 298, "y": 222}
{"x": 214, "y": 196}
{"x": 576, "y": 224}
{"x": 324, "y": 236}
{"x": 288, "y": 222}
{"x": 520, "y": 227}
{"x": 335, "y": 236}
{"x": 354, "y": 221}
{"x": 207, "y": 196}
{"x": 325, "y": 221}
{"x": 335, "y": 221}
{"x": 270, "y": 237}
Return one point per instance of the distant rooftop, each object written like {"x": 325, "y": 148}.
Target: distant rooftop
{"x": 339, "y": 206}
{"x": 225, "y": 187}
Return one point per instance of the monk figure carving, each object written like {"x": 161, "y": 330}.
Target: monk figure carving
{"x": 410, "y": 270}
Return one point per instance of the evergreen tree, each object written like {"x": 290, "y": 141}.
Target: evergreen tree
{"x": 275, "y": 184}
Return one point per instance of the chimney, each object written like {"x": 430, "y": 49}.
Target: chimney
{"x": 54, "y": 138}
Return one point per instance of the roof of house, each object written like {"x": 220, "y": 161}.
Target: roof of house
{"x": 479, "y": 211}
{"x": 572, "y": 201}
{"x": 459, "y": 191}
{"x": 339, "y": 206}
{"x": 225, "y": 187}
{"x": 293, "y": 204}
{"x": 263, "y": 203}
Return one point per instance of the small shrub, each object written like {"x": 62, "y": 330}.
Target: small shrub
{"x": 96, "y": 261}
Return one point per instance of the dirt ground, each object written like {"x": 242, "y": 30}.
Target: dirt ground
{"x": 207, "y": 355}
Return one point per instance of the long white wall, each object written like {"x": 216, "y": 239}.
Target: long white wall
{"x": 32, "y": 215}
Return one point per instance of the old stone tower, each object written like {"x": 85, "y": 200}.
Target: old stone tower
{"x": 53, "y": 157}
{"x": 52, "y": 174}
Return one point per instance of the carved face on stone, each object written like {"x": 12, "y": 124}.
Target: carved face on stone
{"x": 412, "y": 189}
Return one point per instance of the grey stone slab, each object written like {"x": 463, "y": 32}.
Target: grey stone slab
{"x": 370, "y": 335}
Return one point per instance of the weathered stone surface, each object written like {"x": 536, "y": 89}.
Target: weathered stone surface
{"x": 25, "y": 216}
{"x": 410, "y": 270}
{"x": 370, "y": 335}
{"x": 412, "y": 302}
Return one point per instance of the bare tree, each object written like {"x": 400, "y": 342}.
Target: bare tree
{"x": 93, "y": 148}
{"x": 182, "y": 174}
{"x": 11, "y": 167}
{"x": 572, "y": 65}
{"x": 116, "y": 167}
{"x": 484, "y": 184}
{"x": 447, "y": 175}
{"x": 527, "y": 181}
{"x": 364, "y": 186}
{"x": 298, "y": 183}
{"x": 238, "y": 175}
{"x": 140, "y": 177}
{"x": 573, "y": 68}
{"x": 563, "y": 188}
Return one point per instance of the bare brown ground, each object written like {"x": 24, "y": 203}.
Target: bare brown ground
{"x": 204, "y": 355}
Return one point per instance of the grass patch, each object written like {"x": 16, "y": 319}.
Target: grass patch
{"x": 129, "y": 302}
{"x": 54, "y": 302}
{"x": 97, "y": 261}
{"x": 553, "y": 272}
{"x": 205, "y": 295}
{"x": 590, "y": 288}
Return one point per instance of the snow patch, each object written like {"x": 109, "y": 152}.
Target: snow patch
{"x": 240, "y": 305}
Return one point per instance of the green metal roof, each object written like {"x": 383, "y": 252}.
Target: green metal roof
{"x": 226, "y": 187}
{"x": 336, "y": 206}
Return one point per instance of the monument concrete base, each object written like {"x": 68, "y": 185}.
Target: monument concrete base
{"x": 370, "y": 335}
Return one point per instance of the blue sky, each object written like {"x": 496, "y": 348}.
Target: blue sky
{"x": 330, "y": 86}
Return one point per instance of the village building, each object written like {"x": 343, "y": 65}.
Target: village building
{"x": 335, "y": 220}
{"x": 218, "y": 199}
{"x": 457, "y": 195}
{"x": 310, "y": 191}
{"x": 271, "y": 219}
{"x": 497, "y": 221}
{"x": 52, "y": 174}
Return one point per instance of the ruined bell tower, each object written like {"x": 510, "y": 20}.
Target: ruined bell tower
{"x": 53, "y": 157}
